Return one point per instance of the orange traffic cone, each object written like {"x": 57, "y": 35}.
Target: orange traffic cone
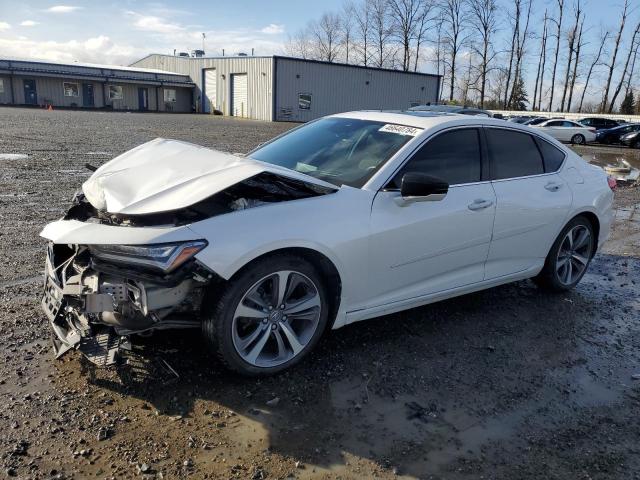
{"x": 50, "y": 108}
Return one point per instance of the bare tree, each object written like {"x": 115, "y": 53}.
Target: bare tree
{"x": 612, "y": 65}
{"x": 626, "y": 66}
{"x": 404, "y": 19}
{"x": 421, "y": 29}
{"x": 571, "y": 40}
{"x": 631, "y": 72}
{"x": 347, "y": 30}
{"x": 483, "y": 19}
{"x": 576, "y": 63}
{"x": 362, "y": 30}
{"x": 557, "y": 52}
{"x": 325, "y": 35}
{"x": 520, "y": 50}
{"x": 299, "y": 45}
{"x": 596, "y": 62}
{"x": 517, "y": 4}
{"x": 541, "y": 62}
{"x": 455, "y": 36}
{"x": 381, "y": 32}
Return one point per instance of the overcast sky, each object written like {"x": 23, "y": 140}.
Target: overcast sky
{"x": 122, "y": 31}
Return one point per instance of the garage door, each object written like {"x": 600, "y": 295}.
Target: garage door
{"x": 239, "y": 106}
{"x": 210, "y": 103}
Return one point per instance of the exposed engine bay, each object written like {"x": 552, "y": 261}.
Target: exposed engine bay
{"x": 94, "y": 306}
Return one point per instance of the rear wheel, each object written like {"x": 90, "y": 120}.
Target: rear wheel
{"x": 269, "y": 317}
{"x": 578, "y": 139}
{"x": 569, "y": 257}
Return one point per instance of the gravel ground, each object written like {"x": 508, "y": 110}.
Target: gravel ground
{"x": 506, "y": 383}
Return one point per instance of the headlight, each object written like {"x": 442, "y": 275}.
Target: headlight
{"x": 164, "y": 256}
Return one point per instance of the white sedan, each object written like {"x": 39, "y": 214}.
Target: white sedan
{"x": 568, "y": 131}
{"x": 343, "y": 219}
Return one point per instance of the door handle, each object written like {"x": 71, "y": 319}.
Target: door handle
{"x": 479, "y": 204}
{"x": 553, "y": 186}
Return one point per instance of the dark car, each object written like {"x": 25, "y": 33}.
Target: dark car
{"x": 464, "y": 110}
{"x": 631, "y": 139}
{"x": 539, "y": 120}
{"x": 599, "y": 123}
{"x": 613, "y": 135}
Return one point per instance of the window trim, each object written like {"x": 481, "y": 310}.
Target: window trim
{"x": 64, "y": 90}
{"x": 533, "y": 134}
{"x": 484, "y": 159}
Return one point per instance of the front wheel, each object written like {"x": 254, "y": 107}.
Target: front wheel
{"x": 569, "y": 257}
{"x": 269, "y": 317}
{"x": 578, "y": 139}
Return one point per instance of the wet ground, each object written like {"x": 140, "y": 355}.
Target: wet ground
{"x": 509, "y": 383}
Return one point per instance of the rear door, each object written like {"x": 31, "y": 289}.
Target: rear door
{"x": 556, "y": 130}
{"x": 432, "y": 246}
{"x": 87, "y": 95}
{"x": 30, "y": 93}
{"x": 533, "y": 201}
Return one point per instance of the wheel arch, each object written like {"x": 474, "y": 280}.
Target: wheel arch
{"x": 595, "y": 224}
{"x": 326, "y": 266}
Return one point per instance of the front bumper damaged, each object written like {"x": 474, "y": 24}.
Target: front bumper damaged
{"x": 95, "y": 312}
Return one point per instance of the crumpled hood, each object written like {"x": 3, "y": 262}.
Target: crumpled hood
{"x": 163, "y": 175}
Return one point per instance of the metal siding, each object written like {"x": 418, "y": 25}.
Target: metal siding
{"x": 259, "y": 79}
{"x": 239, "y": 105}
{"x": 5, "y": 96}
{"x": 339, "y": 88}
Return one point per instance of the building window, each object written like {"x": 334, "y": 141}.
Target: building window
{"x": 304, "y": 101}
{"x": 115, "y": 92}
{"x": 70, "y": 89}
{"x": 170, "y": 95}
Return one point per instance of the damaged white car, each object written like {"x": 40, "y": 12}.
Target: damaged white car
{"x": 343, "y": 219}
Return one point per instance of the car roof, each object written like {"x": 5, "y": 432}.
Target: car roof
{"x": 421, "y": 119}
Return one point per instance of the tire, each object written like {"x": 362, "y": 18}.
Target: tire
{"x": 558, "y": 262}
{"x": 578, "y": 139}
{"x": 235, "y": 337}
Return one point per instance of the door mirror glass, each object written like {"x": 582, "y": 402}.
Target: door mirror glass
{"x": 418, "y": 187}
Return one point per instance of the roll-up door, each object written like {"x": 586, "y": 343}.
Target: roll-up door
{"x": 211, "y": 102}
{"x": 239, "y": 104}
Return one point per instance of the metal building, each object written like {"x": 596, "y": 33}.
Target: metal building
{"x": 27, "y": 82}
{"x": 292, "y": 89}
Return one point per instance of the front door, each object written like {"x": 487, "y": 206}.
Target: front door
{"x": 533, "y": 202}
{"x": 143, "y": 99}
{"x": 30, "y": 93}
{"x": 87, "y": 95}
{"x": 432, "y": 246}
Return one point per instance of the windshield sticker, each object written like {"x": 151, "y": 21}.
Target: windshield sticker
{"x": 400, "y": 129}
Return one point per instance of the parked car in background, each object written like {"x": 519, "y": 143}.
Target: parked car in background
{"x": 463, "y": 110}
{"x": 539, "y": 120}
{"x": 599, "y": 123}
{"x": 522, "y": 119}
{"x": 568, "y": 131}
{"x": 631, "y": 139}
{"x": 613, "y": 135}
{"x": 342, "y": 219}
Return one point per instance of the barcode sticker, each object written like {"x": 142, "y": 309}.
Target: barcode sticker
{"x": 400, "y": 129}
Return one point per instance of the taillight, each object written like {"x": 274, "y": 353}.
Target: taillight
{"x": 612, "y": 182}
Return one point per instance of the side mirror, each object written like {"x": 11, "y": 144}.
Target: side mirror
{"x": 419, "y": 187}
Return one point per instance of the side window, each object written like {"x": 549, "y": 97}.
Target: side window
{"x": 554, "y": 124}
{"x": 587, "y": 122}
{"x": 513, "y": 154}
{"x": 452, "y": 156}
{"x": 569, "y": 124}
{"x": 551, "y": 155}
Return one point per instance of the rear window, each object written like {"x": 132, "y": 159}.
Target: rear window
{"x": 551, "y": 155}
{"x": 513, "y": 154}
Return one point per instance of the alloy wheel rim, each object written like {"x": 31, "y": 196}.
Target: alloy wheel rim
{"x": 573, "y": 255}
{"x": 276, "y": 318}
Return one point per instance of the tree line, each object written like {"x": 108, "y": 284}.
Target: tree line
{"x": 484, "y": 49}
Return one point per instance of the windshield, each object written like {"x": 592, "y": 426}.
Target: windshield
{"x": 342, "y": 151}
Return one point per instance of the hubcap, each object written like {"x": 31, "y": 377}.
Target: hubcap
{"x": 276, "y": 318}
{"x": 574, "y": 254}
